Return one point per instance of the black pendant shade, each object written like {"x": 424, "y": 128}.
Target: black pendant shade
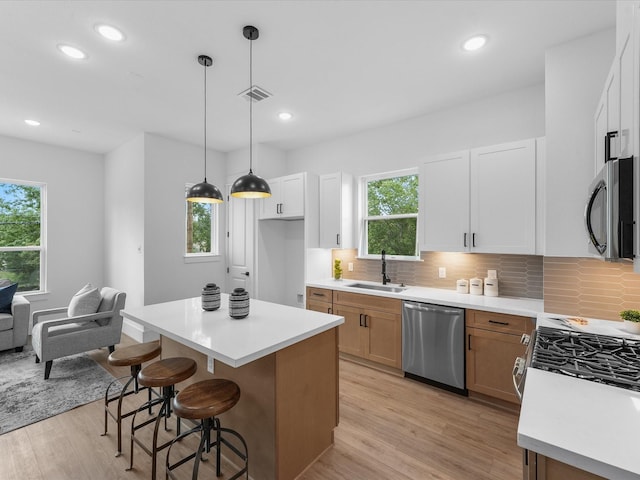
{"x": 205, "y": 192}
{"x": 250, "y": 185}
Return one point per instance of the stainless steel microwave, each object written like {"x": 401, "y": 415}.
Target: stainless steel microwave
{"x": 609, "y": 211}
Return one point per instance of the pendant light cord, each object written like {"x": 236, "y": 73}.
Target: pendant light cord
{"x": 205, "y": 122}
{"x": 250, "y": 106}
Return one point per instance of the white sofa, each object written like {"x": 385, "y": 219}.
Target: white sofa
{"x": 14, "y": 326}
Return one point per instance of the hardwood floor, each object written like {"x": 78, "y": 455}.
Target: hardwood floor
{"x": 390, "y": 427}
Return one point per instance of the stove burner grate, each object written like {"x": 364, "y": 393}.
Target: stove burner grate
{"x": 598, "y": 358}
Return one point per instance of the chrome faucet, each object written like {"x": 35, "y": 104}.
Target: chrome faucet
{"x": 385, "y": 277}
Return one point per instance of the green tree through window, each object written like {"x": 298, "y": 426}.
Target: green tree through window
{"x": 391, "y": 219}
{"x": 21, "y": 234}
{"x": 201, "y": 228}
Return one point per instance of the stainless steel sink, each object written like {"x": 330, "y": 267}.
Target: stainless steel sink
{"x": 381, "y": 288}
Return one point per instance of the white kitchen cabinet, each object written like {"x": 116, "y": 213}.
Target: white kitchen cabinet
{"x": 287, "y": 198}
{"x": 607, "y": 120}
{"x": 336, "y": 211}
{"x": 503, "y": 198}
{"x": 482, "y": 200}
{"x": 444, "y": 203}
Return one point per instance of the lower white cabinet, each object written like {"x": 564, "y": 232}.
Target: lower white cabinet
{"x": 481, "y": 200}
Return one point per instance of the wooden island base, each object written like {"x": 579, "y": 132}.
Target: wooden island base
{"x": 288, "y": 406}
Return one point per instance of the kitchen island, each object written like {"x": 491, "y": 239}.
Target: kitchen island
{"x": 285, "y": 361}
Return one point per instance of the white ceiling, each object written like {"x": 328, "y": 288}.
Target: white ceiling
{"x": 340, "y": 66}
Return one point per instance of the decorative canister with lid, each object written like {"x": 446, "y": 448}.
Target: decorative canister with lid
{"x": 239, "y": 303}
{"x": 210, "y": 297}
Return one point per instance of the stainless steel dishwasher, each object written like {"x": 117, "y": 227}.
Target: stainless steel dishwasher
{"x": 433, "y": 344}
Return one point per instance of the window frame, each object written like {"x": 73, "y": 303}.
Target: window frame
{"x": 363, "y": 217}
{"x": 42, "y": 248}
{"x": 215, "y": 230}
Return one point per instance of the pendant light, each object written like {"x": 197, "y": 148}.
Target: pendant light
{"x": 250, "y": 185}
{"x": 205, "y": 192}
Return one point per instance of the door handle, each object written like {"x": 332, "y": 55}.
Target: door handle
{"x": 365, "y": 321}
{"x": 245, "y": 273}
{"x": 469, "y": 341}
{"x": 600, "y": 247}
{"x": 473, "y": 240}
{"x": 337, "y": 239}
{"x": 607, "y": 146}
{"x": 465, "y": 239}
{"x": 361, "y": 319}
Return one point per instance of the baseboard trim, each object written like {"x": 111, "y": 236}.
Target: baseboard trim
{"x": 138, "y": 332}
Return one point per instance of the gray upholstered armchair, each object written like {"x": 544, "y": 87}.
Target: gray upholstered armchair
{"x": 60, "y": 337}
{"x": 14, "y": 326}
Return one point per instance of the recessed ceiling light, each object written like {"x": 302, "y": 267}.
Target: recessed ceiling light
{"x": 285, "y": 116}
{"x": 33, "y": 123}
{"x": 109, "y": 32}
{"x": 474, "y": 43}
{"x": 72, "y": 52}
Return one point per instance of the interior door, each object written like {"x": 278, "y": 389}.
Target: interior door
{"x": 240, "y": 229}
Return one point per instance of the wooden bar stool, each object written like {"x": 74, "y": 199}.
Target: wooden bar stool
{"x": 204, "y": 401}
{"x": 132, "y": 356}
{"x": 165, "y": 374}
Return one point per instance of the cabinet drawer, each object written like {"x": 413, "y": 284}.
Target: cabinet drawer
{"x": 319, "y": 306}
{"x": 499, "y": 322}
{"x": 392, "y": 305}
{"x": 319, "y": 294}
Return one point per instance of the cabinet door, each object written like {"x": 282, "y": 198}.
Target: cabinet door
{"x": 503, "y": 198}
{"x": 292, "y": 196}
{"x": 626, "y": 133}
{"x": 384, "y": 331}
{"x": 490, "y": 358}
{"x": 330, "y": 210}
{"x": 350, "y": 338}
{"x": 444, "y": 202}
{"x": 270, "y": 206}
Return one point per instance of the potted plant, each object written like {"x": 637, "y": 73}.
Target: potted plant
{"x": 337, "y": 269}
{"x": 631, "y": 320}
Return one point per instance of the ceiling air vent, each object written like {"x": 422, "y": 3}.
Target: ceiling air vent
{"x": 256, "y": 94}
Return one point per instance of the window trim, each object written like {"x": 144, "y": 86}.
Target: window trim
{"x": 43, "y": 235}
{"x": 202, "y": 257}
{"x": 363, "y": 218}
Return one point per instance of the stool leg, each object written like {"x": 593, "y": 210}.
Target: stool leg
{"x": 206, "y": 425}
{"x": 216, "y": 424}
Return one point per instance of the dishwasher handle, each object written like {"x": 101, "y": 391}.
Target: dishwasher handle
{"x": 425, "y": 307}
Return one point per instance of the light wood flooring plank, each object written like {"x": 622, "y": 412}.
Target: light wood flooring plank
{"x": 390, "y": 428}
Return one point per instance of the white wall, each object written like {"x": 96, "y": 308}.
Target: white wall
{"x": 168, "y": 166}
{"x": 124, "y": 220}
{"x": 510, "y": 116}
{"x": 574, "y": 79}
{"x": 75, "y": 213}
{"x": 268, "y": 162}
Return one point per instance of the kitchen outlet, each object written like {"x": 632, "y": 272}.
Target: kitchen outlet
{"x": 209, "y": 364}
{"x": 442, "y": 272}
{"x": 492, "y": 273}
{"x": 350, "y": 266}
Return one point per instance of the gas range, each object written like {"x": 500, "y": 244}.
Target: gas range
{"x": 599, "y": 358}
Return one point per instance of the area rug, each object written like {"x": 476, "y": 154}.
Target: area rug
{"x": 26, "y": 397}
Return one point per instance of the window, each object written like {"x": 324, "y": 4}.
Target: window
{"x": 22, "y": 234}
{"x": 390, "y": 214}
{"x": 201, "y": 229}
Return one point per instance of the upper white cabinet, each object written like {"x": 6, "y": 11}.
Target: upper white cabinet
{"x": 286, "y": 200}
{"x": 444, "y": 203}
{"x": 336, "y": 210}
{"x": 482, "y": 200}
{"x": 503, "y": 198}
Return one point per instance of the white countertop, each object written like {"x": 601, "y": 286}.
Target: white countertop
{"x": 529, "y": 307}
{"x": 268, "y": 328}
{"x": 588, "y": 425}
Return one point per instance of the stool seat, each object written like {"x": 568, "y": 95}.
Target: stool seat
{"x": 206, "y": 399}
{"x": 134, "y": 354}
{"x": 166, "y": 372}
